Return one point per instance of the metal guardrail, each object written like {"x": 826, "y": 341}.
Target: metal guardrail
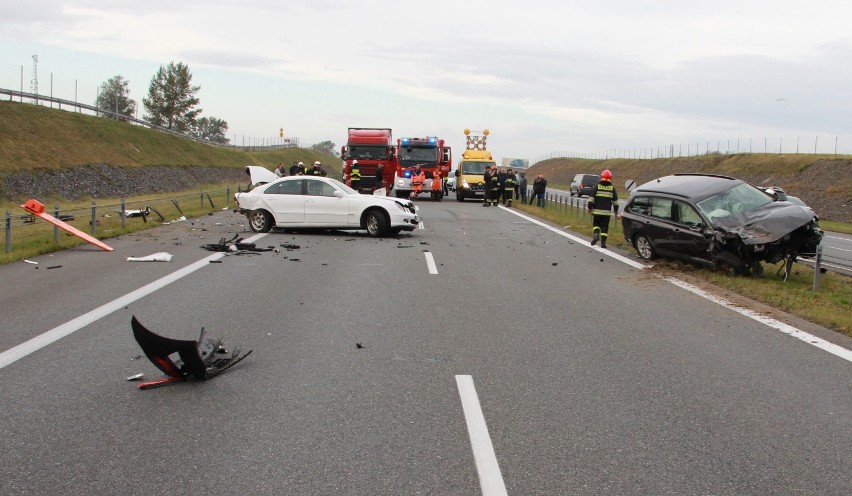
{"x": 91, "y": 218}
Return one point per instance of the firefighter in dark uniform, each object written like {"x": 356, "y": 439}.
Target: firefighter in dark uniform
{"x": 317, "y": 170}
{"x": 486, "y": 183}
{"x": 355, "y": 176}
{"x": 602, "y": 202}
{"x": 494, "y": 186}
{"x": 509, "y": 188}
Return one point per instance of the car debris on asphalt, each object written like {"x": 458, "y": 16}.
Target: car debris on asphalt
{"x": 202, "y": 359}
{"x": 156, "y": 257}
{"x": 235, "y": 244}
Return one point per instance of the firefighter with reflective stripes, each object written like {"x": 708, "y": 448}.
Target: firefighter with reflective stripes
{"x": 493, "y": 187}
{"x": 602, "y": 202}
{"x": 355, "y": 176}
{"x": 508, "y": 188}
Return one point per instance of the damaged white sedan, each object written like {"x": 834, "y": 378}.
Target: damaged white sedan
{"x": 319, "y": 202}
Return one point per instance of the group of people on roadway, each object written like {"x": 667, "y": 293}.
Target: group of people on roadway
{"x": 504, "y": 186}
{"x": 300, "y": 169}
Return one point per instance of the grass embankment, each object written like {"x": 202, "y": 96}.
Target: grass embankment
{"x": 822, "y": 181}
{"x": 829, "y": 307}
{"x": 39, "y": 138}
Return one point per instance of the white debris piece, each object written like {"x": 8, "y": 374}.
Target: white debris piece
{"x": 156, "y": 257}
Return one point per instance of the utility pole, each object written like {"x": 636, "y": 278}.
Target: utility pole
{"x": 34, "y": 82}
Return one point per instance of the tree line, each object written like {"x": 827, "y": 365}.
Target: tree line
{"x": 172, "y": 103}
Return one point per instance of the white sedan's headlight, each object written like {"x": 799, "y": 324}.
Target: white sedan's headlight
{"x": 401, "y": 206}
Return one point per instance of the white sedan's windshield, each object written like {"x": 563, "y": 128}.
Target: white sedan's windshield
{"x": 344, "y": 187}
{"x": 736, "y": 200}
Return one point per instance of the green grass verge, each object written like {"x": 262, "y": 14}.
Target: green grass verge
{"x": 830, "y": 307}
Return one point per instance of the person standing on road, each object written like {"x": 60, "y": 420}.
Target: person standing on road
{"x": 602, "y": 202}
{"x": 509, "y": 188}
{"x": 418, "y": 177}
{"x": 437, "y": 187}
{"x": 486, "y": 183}
{"x": 539, "y": 188}
{"x": 501, "y": 181}
{"x": 517, "y": 178}
{"x": 380, "y": 176}
{"x": 522, "y": 187}
{"x": 355, "y": 176}
{"x": 493, "y": 186}
{"x": 317, "y": 170}
{"x": 294, "y": 169}
{"x": 279, "y": 171}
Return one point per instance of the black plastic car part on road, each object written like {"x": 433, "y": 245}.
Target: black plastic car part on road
{"x": 717, "y": 221}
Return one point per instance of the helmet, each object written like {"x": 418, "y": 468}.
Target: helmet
{"x": 354, "y": 162}
{"x": 317, "y": 163}
{"x": 606, "y": 175}
{"x": 301, "y": 163}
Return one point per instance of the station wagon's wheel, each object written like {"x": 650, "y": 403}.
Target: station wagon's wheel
{"x": 260, "y": 221}
{"x": 729, "y": 264}
{"x": 644, "y": 247}
{"x": 376, "y": 223}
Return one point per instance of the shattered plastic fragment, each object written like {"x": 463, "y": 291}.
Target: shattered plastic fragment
{"x": 201, "y": 359}
{"x": 156, "y": 257}
{"x": 137, "y": 377}
{"x": 30, "y": 262}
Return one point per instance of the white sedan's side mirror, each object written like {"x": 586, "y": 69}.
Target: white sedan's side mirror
{"x": 339, "y": 194}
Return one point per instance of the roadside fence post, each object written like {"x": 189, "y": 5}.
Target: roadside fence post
{"x": 56, "y": 228}
{"x": 228, "y": 198}
{"x": 817, "y": 266}
{"x": 8, "y": 231}
{"x": 123, "y": 216}
{"x": 94, "y": 219}
{"x": 202, "y": 200}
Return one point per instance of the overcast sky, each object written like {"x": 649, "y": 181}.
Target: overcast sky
{"x": 543, "y": 76}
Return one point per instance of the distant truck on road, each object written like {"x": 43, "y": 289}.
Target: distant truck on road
{"x": 470, "y": 182}
{"x": 370, "y": 147}
{"x": 430, "y": 153}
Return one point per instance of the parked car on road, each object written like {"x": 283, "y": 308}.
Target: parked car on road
{"x": 584, "y": 184}
{"x": 320, "y": 202}
{"x": 717, "y": 221}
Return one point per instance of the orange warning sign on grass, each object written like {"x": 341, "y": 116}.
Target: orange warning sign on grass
{"x": 37, "y": 209}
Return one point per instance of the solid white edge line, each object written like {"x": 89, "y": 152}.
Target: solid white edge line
{"x": 490, "y": 478}
{"x": 769, "y": 321}
{"x": 602, "y": 251}
{"x": 430, "y": 263}
{"x": 14, "y": 354}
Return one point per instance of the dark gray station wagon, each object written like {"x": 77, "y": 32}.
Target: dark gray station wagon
{"x": 717, "y": 221}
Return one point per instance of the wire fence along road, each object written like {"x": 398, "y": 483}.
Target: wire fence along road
{"x": 255, "y": 144}
{"x": 779, "y": 146}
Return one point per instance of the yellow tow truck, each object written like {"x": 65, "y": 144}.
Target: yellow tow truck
{"x": 474, "y": 161}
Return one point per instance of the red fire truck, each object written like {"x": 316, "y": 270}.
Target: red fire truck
{"x": 430, "y": 153}
{"x": 370, "y": 147}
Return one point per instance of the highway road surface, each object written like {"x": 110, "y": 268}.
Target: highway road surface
{"x": 486, "y": 354}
